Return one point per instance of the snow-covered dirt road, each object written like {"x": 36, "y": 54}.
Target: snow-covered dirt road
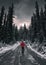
{"x": 14, "y": 57}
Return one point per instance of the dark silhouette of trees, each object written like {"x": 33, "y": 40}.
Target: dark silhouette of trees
{"x": 16, "y": 34}
{"x": 1, "y": 15}
{"x": 1, "y": 21}
{"x": 45, "y": 10}
{"x": 38, "y": 24}
{"x": 37, "y": 9}
{"x": 6, "y": 25}
{"x": 21, "y": 33}
{"x": 4, "y": 29}
{"x": 9, "y": 24}
{"x": 41, "y": 14}
{"x": 36, "y": 30}
{"x": 45, "y": 19}
{"x": 25, "y": 33}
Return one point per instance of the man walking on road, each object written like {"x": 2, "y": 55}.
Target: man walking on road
{"x": 22, "y": 44}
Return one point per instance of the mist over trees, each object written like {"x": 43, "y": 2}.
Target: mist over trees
{"x": 36, "y": 30}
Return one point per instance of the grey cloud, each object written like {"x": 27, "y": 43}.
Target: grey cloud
{"x": 25, "y": 8}
{"x": 22, "y": 8}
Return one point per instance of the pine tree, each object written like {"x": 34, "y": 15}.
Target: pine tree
{"x": 4, "y": 29}
{"x": 9, "y": 24}
{"x": 45, "y": 20}
{"x": 1, "y": 15}
{"x": 25, "y": 32}
{"x": 37, "y": 16}
{"x": 16, "y": 34}
{"x": 1, "y": 18}
{"x": 21, "y": 33}
{"x": 42, "y": 21}
{"x": 45, "y": 9}
{"x": 32, "y": 21}
{"x": 37, "y": 10}
{"x": 41, "y": 14}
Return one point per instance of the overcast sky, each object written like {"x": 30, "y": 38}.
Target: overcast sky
{"x": 23, "y": 9}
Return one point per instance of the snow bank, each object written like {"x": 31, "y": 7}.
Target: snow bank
{"x": 10, "y": 47}
{"x": 39, "y": 54}
{"x": 15, "y": 46}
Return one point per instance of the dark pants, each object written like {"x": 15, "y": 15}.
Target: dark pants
{"x": 22, "y": 50}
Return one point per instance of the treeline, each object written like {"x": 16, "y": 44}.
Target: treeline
{"x": 38, "y": 24}
{"x": 6, "y": 20}
{"x": 8, "y": 31}
{"x": 36, "y": 30}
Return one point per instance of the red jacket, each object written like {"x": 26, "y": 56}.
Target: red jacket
{"x": 22, "y": 44}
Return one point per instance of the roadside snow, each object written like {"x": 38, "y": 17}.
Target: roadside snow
{"x": 10, "y": 47}
{"x": 39, "y": 54}
{"x": 15, "y": 46}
